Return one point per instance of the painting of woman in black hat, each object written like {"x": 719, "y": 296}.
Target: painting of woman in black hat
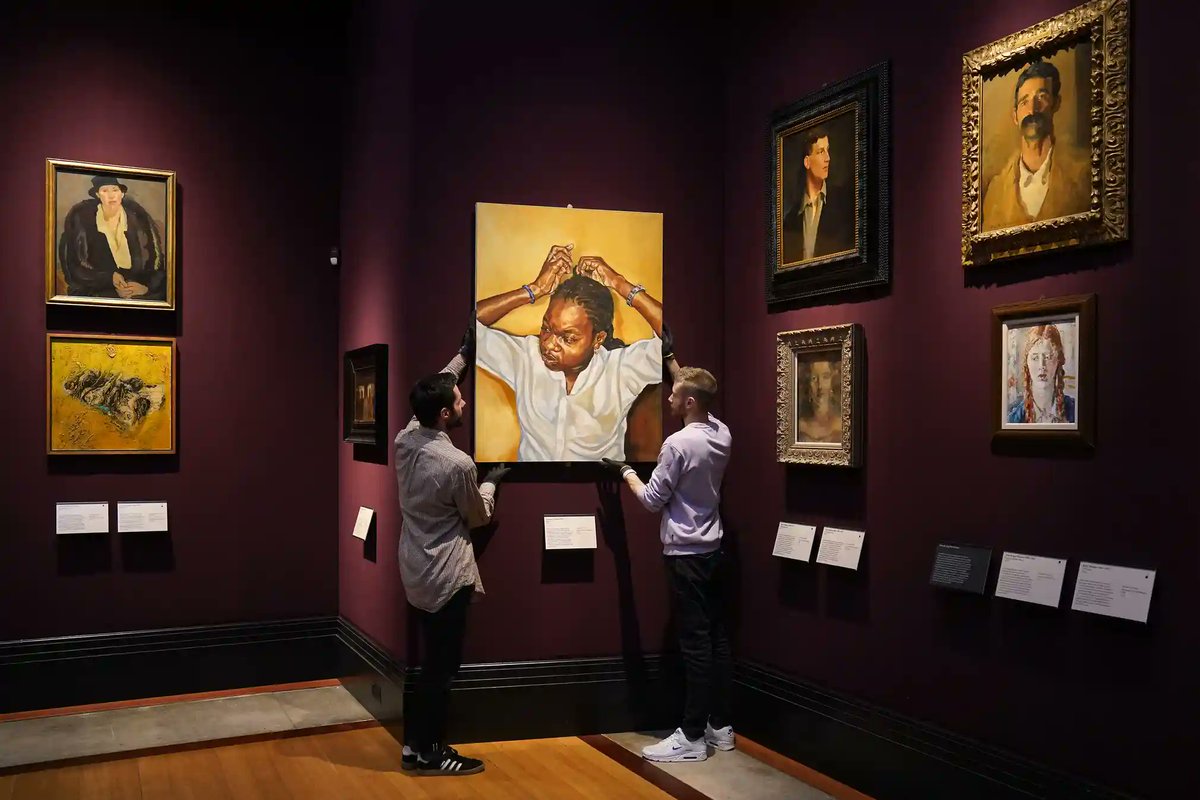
{"x": 113, "y": 246}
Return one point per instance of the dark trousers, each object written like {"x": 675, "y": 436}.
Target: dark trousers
{"x": 698, "y": 596}
{"x": 443, "y": 632}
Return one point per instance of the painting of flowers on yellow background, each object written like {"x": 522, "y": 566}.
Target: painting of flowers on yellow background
{"x": 110, "y": 394}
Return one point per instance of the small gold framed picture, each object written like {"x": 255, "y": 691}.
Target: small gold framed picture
{"x": 110, "y": 235}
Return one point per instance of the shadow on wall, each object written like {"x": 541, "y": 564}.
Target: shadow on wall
{"x": 827, "y": 497}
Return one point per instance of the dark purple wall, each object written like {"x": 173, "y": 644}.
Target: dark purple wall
{"x": 599, "y": 105}
{"x": 1096, "y": 696}
{"x": 238, "y": 107}
{"x": 376, "y": 248}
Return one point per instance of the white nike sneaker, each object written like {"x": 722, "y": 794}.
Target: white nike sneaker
{"x": 720, "y": 738}
{"x": 676, "y": 747}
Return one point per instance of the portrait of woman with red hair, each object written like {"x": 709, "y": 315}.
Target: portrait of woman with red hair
{"x": 1041, "y": 379}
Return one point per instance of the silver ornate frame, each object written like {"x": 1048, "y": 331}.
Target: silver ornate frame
{"x": 848, "y": 339}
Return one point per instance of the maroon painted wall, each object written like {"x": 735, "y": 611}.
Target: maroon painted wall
{"x": 237, "y": 106}
{"x": 1095, "y": 696}
{"x": 376, "y": 248}
{"x": 599, "y": 105}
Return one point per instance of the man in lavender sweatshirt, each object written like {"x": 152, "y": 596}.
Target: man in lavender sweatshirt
{"x": 686, "y": 487}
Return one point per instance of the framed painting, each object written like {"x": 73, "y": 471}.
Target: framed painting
{"x": 110, "y": 235}
{"x": 828, "y": 192}
{"x": 110, "y": 395}
{"x": 1045, "y": 148}
{"x": 819, "y": 406}
{"x": 1044, "y": 370}
{"x": 568, "y": 359}
{"x": 364, "y": 395}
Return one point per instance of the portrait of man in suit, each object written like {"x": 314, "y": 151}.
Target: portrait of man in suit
{"x": 818, "y": 198}
{"x": 1045, "y": 175}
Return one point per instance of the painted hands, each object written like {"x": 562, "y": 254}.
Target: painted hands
{"x": 558, "y": 266}
{"x": 598, "y": 269}
{"x": 128, "y": 289}
{"x": 555, "y": 269}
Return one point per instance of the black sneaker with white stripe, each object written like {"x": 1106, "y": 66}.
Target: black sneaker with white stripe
{"x": 447, "y": 761}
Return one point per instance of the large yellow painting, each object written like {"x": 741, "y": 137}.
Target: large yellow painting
{"x": 569, "y": 318}
{"x": 110, "y": 394}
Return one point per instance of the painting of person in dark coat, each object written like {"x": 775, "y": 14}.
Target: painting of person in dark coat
{"x": 818, "y": 192}
{"x": 111, "y": 246}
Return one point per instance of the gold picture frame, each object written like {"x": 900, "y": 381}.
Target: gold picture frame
{"x": 819, "y": 403}
{"x": 130, "y": 265}
{"x": 1090, "y": 168}
{"x": 111, "y": 395}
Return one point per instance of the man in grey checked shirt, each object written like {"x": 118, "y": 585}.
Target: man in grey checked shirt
{"x": 440, "y": 503}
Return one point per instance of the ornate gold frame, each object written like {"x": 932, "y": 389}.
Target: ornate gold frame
{"x": 53, "y": 165}
{"x": 51, "y": 338}
{"x": 789, "y": 346}
{"x": 1106, "y": 23}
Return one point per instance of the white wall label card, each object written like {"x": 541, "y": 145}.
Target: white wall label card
{"x": 794, "y": 541}
{"x": 570, "y": 532}
{"x": 363, "y": 524}
{"x": 141, "y": 517}
{"x": 840, "y": 548}
{"x": 1031, "y": 579}
{"x": 80, "y": 518}
{"x": 1113, "y": 591}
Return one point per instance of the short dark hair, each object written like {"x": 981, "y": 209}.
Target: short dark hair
{"x": 430, "y": 396}
{"x": 811, "y": 137}
{"x": 1038, "y": 69}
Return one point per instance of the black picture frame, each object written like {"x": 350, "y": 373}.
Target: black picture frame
{"x": 370, "y": 360}
{"x": 868, "y": 263}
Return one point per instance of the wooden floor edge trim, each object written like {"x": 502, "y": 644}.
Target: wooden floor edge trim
{"x": 166, "y": 699}
{"x": 800, "y": 772}
{"x": 185, "y": 746}
{"x": 644, "y": 769}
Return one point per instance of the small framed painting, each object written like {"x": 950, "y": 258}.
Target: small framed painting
{"x": 1043, "y": 370}
{"x": 828, "y": 191}
{"x": 819, "y": 404}
{"x": 364, "y": 392}
{"x": 110, "y": 235}
{"x": 110, "y": 395}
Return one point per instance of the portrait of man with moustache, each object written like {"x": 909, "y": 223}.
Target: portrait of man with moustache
{"x": 1046, "y": 177}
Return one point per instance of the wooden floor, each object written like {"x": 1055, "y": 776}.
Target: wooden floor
{"x": 363, "y": 764}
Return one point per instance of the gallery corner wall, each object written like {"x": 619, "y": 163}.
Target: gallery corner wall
{"x": 1098, "y": 697}
{"x": 376, "y": 251}
{"x": 233, "y": 101}
{"x": 598, "y": 105}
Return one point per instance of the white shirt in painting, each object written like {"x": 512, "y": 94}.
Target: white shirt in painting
{"x": 1034, "y": 185}
{"x": 589, "y": 423}
{"x": 115, "y": 232}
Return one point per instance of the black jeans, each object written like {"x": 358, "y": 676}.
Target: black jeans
{"x": 443, "y": 631}
{"x": 698, "y": 595}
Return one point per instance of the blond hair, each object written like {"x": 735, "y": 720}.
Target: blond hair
{"x": 698, "y": 383}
